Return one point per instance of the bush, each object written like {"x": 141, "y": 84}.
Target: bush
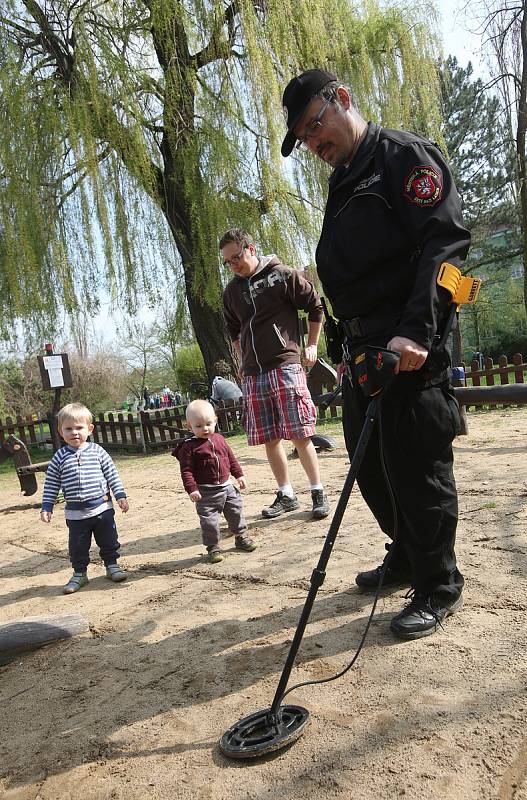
{"x": 190, "y": 367}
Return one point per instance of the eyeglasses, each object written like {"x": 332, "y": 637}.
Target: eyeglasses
{"x": 312, "y": 129}
{"x": 235, "y": 259}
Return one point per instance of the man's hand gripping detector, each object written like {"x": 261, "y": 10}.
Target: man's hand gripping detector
{"x": 373, "y": 367}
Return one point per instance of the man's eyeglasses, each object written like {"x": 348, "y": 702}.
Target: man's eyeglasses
{"x": 313, "y": 127}
{"x": 235, "y": 259}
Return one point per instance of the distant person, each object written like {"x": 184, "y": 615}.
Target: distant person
{"x": 177, "y": 397}
{"x": 146, "y": 398}
{"x": 224, "y": 390}
{"x": 206, "y": 463}
{"x": 479, "y": 358}
{"x": 86, "y": 475}
{"x": 261, "y": 305}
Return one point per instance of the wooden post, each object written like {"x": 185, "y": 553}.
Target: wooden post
{"x": 511, "y": 393}
{"x": 52, "y": 419}
{"x": 143, "y": 432}
{"x": 458, "y": 379}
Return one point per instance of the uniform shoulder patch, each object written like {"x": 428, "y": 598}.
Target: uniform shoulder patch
{"x": 424, "y": 186}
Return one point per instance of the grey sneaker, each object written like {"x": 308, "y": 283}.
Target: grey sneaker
{"x": 245, "y": 543}
{"x": 282, "y": 503}
{"x": 214, "y": 554}
{"x": 320, "y": 504}
{"x": 76, "y": 582}
{"x": 116, "y": 573}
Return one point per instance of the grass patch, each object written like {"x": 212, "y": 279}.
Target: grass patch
{"x": 37, "y": 453}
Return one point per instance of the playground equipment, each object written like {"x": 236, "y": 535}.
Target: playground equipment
{"x": 16, "y": 449}
{"x": 56, "y": 375}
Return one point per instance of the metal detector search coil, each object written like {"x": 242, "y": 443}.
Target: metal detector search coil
{"x": 264, "y": 732}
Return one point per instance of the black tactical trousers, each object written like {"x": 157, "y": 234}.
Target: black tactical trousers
{"x": 418, "y": 424}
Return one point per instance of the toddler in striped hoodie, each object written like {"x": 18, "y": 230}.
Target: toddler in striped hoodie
{"x": 86, "y": 474}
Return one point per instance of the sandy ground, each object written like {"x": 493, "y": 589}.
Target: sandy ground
{"x": 183, "y": 649}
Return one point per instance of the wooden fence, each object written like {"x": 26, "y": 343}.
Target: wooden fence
{"x": 503, "y": 373}
{"x": 150, "y": 431}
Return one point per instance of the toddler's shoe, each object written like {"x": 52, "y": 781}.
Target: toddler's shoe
{"x": 245, "y": 543}
{"x": 214, "y": 554}
{"x": 116, "y": 573}
{"x": 76, "y": 582}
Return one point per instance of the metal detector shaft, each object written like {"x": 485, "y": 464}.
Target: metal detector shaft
{"x": 319, "y": 573}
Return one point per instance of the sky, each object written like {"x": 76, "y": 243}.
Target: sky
{"x": 458, "y": 28}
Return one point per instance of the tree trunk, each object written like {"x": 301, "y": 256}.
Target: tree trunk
{"x": 476, "y": 331}
{"x": 179, "y": 209}
{"x": 20, "y": 635}
{"x": 211, "y": 336}
{"x": 457, "y": 347}
{"x": 520, "y": 145}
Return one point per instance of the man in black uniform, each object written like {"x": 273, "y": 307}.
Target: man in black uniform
{"x": 392, "y": 218}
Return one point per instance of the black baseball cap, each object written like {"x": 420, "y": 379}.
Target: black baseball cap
{"x": 297, "y": 95}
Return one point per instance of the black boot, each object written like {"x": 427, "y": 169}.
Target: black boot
{"x": 422, "y": 616}
{"x": 393, "y": 577}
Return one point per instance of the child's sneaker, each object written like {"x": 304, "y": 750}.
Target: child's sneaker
{"x": 215, "y": 554}
{"x": 245, "y": 543}
{"x": 116, "y": 573}
{"x": 76, "y": 582}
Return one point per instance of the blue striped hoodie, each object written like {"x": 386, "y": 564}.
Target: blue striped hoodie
{"x": 85, "y": 475}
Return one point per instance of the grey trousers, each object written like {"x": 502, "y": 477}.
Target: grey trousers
{"x": 216, "y": 500}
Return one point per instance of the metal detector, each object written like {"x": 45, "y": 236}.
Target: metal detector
{"x": 280, "y": 725}
{"x": 372, "y": 368}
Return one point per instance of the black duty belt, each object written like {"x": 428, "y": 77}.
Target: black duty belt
{"x": 359, "y": 327}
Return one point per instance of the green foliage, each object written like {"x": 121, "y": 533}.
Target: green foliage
{"x": 482, "y": 162}
{"x": 98, "y": 381}
{"x": 21, "y": 387}
{"x": 190, "y": 367}
{"x": 496, "y": 324}
{"x": 133, "y": 134}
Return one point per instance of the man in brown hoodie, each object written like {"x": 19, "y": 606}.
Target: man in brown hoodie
{"x": 261, "y": 305}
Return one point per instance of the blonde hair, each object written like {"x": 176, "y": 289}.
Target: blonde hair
{"x": 197, "y": 409}
{"x": 75, "y": 411}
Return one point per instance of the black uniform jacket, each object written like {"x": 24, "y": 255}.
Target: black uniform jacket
{"x": 392, "y": 217}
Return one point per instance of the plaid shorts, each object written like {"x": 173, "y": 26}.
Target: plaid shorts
{"x": 277, "y": 405}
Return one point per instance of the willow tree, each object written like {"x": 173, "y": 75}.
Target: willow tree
{"x": 132, "y": 133}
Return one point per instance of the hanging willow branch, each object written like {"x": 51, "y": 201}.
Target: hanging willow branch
{"x": 183, "y": 97}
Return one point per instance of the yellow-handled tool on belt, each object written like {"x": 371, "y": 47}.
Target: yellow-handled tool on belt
{"x": 462, "y": 288}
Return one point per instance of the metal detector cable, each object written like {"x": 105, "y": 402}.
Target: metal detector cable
{"x": 381, "y": 576}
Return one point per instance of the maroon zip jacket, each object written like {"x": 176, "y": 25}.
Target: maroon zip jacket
{"x": 206, "y": 461}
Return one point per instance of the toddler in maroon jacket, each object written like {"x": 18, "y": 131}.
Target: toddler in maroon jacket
{"x": 207, "y": 462}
